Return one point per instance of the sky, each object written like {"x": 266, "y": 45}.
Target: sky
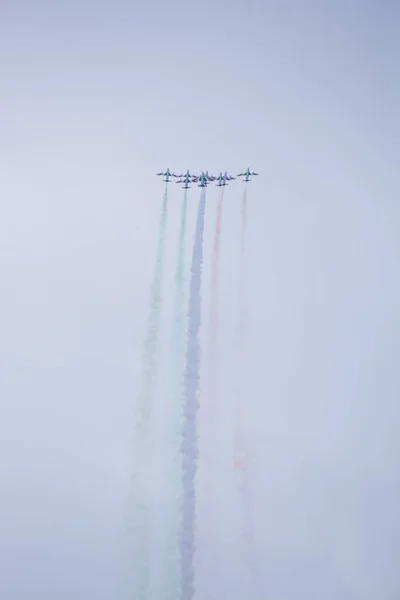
{"x": 97, "y": 97}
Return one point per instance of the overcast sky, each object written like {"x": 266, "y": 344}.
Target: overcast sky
{"x": 96, "y": 97}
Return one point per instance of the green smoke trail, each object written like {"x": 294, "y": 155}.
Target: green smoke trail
{"x": 179, "y": 338}
{"x": 179, "y": 347}
{"x": 142, "y": 496}
{"x": 166, "y": 585}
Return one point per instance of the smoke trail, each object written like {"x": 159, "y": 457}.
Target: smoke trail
{"x": 214, "y": 317}
{"x": 244, "y": 215}
{"x": 238, "y": 441}
{"x": 242, "y": 322}
{"x": 178, "y": 343}
{"x": 178, "y": 397}
{"x": 167, "y": 549}
{"x": 142, "y": 450}
{"x": 189, "y": 429}
{"x": 211, "y": 464}
{"x": 242, "y": 455}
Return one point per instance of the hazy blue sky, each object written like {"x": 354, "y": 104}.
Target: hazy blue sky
{"x": 96, "y": 97}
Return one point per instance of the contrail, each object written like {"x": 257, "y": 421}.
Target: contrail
{"x": 143, "y": 446}
{"x": 214, "y": 318}
{"x": 167, "y": 552}
{"x": 189, "y": 429}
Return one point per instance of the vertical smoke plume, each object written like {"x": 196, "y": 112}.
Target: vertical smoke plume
{"x": 178, "y": 339}
{"x": 214, "y": 310}
{"x": 242, "y": 309}
{"x": 244, "y": 216}
{"x": 211, "y": 463}
{"x": 167, "y": 548}
{"x": 242, "y": 457}
{"x": 243, "y": 283}
{"x": 189, "y": 429}
{"x": 140, "y": 510}
{"x": 238, "y": 437}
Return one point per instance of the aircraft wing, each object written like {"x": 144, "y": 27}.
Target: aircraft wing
{"x": 159, "y": 173}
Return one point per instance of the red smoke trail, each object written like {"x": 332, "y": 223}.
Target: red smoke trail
{"x": 214, "y": 318}
{"x": 244, "y": 210}
{"x": 239, "y": 450}
{"x": 238, "y": 441}
{"x": 242, "y": 460}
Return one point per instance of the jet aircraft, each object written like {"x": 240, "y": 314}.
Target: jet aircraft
{"x": 222, "y": 179}
{"x": 202, "y": 178}
{"x": 187, "y": 174}
{"x": 246, "y": 175}
{"x": 167, "y": 174}
{"x": 186, "y": 179}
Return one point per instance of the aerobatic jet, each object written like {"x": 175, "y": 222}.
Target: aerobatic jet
{"x": 201, "y": 179}
{"x": 210, "y": 177}
{"x": 247, "y": 174}
{"x": 186, "y": 179}
{"x": 167, "y": 174}
{"x": 223, "y": 179}
{"x": 187, "y": 174}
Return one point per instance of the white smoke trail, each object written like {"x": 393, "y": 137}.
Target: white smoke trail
{"x": 189, "y": 429}
{"x": 209, "y": 477}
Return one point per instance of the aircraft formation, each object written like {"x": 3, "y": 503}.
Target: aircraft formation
{"x": 204, "y": 178}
